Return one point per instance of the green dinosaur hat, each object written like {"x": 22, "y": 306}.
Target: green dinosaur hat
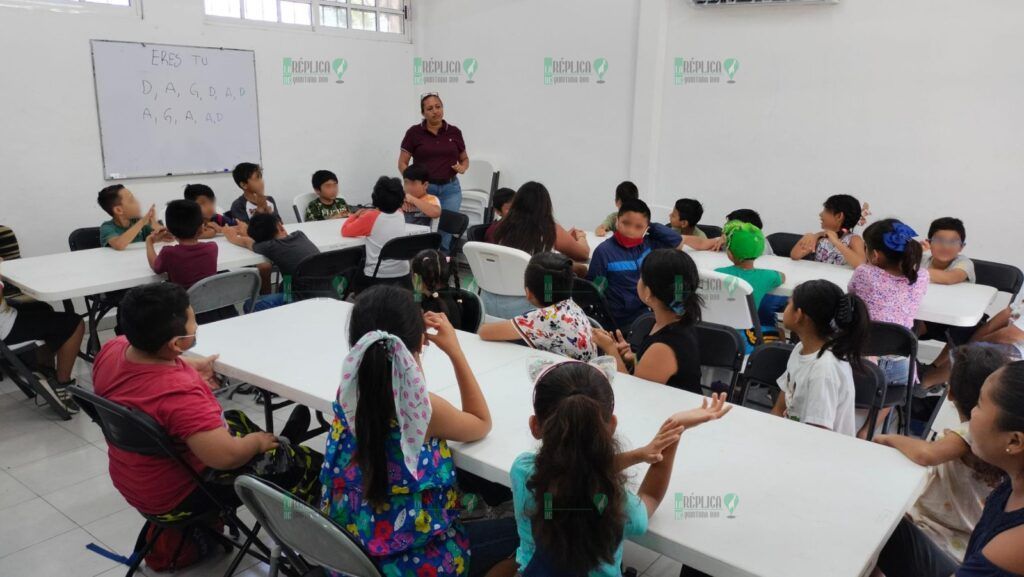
{"x": 743, "y": 239}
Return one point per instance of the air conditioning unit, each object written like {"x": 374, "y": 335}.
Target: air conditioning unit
{"x": 759, "y": 2}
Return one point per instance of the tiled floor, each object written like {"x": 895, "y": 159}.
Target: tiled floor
{"x": 56, "y": 498}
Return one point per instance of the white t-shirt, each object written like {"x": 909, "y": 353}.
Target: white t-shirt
{"x": 7, "y": 316}
{"x": 819, "y": 391}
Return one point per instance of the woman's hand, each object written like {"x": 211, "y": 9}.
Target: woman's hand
{"x": 459, "y": 168}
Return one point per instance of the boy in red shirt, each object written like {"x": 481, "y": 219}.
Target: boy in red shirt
{"x": 144, "y": 370}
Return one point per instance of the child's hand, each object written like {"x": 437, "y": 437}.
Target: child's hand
{"x": 241, "y": 228}
{"x": 707, "y": 412}
{"x": 667, "y": 435}
{"x": 809, "y": 242}
{"x": 150, "y": 217}
{"x": 577, "y": 233}
{"x": 833, "y": 237}
{"x": 444, "y": 336}
{"x": 265, "y": 441}
{"x": 718, "y": 244}
{"x": 601, "y": 231}
{"x": 605, "y": 341}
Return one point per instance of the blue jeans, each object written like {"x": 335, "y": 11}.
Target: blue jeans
{"x": 450, "y": 196}
{"x": 490, "y": 541}
{"x": 265, "y": 302}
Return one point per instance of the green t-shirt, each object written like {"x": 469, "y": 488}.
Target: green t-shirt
{"x": 609, "y": 222}
{"x": 109, "y": 230}
{"x": 696, "y": 231}
{"x": 320, "y": 211}
{"x": 762, "y": 280}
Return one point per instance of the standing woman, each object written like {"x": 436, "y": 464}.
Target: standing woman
{"x": 439, "y": 147}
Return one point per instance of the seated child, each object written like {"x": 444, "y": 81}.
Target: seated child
{"x": 127, "y": 224}
{"x": 558, "y": 325}
{"x": 419, "y": 206}
{"x": 626, "y": 190}
{"x": 670, "y": 352}
{"x": 389, "y": 480}
{"x": 580, "y": 479}
{"x": 144, "y": 370}
{"x": 213, "y": 222}
{"x": 380, "y": 224}
{"x": 267, "y": 237}
{"x": 959, "y": 483}
{"x": 502, "y": 202}
{"x": 946, "y": 241}
{"x": 817, "y": 387}
{"x": 249, "y": 177}
{"x": 836, "y": 243}
{"x": 61, "y": 331}
{"x": 430, "y": 273}
{"x": 1003, "y": 332}
{"x": 685, "y": 216}
{"x": 617, "y": 260}
{"x": 746, "y": 215}
{"x": 327, "y": 205}
{"x": 189, "y": 261}
{"x": 743, "y": 244}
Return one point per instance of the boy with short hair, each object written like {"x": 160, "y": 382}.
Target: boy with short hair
{"x": 615, "y": 266}
{"x": 746, "y": 215}
{"x": 266, "y": 236}
{"x": 144, "y": 370}
{"x": 379, "y": 225}
{"x": 127, "y": 224}
{"x": 685, "y": 216}
{"x": 625, "y": 191}
{"x": 420, "y": 207}
{"x": 502, "y": 202}
{"x": 189, "y": 261}
{"x": 946, "y": 241}
{"x": 327, "y": 205}
{"x": 213, "y": 222}
{"x": 249, "y": 177}
{"x": 558, "y": 325}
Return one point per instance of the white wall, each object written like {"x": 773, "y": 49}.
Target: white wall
{"x": 574, "y": 139}
{"x": 50, "y": 151}
{"x": 913, "y": 106}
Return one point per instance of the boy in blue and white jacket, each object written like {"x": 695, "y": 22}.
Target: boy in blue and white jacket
{"x": 615, "y": 266}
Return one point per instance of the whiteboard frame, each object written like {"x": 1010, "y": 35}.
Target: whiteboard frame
{"x": 99, "y": 120}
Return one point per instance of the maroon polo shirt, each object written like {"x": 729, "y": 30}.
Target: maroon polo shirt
{"x": 436, "y": 152}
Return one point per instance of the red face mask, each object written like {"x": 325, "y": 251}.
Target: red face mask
{"x": 628, "y": 242}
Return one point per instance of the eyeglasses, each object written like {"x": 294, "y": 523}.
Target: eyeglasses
{"x": 946, "y": 242}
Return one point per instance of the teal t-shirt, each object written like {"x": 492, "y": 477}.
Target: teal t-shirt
{"x": 109, "y": 230}
{"x": 523, "y": 501}
{"x": 762, "y": 280}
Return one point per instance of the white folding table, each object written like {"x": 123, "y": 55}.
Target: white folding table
{"x": 811, "y": 502}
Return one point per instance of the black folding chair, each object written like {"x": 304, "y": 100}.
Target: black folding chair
{"x": 455, "y": 224}
{"x": 710, "y": 230}
{"x": 872, "y": 394}
{"x": 136, "y": 432}
{"x": 721, "y": 347}
{"x": 470, "y": 305}
{"x": 782, "y": 243}
{"x": 887, "y": 339}
{"x": 1003, "y": 277}
{"x": 477, "y": 233}
{"x": 14, "y": 363}
{"x": 406, "y": 247}
{"x": 592, "y": 301}
{"x": 98, "y": 305}
{"x": 326, "y": 275}
{"x": 764, "y": 367}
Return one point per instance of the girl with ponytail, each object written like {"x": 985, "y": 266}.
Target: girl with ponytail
{"x": 817, "y": 387}
{"x": 431, "y": 272}
{"x": 670, "y": 353}
{"x": 388, "y": 475}
{"x": 893, "y": 285}
{"x": 572, "y": 509}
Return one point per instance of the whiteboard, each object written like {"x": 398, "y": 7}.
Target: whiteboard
{"x": 166, "y": 110}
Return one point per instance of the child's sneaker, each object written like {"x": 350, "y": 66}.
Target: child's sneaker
{"x": 59, "y": 393}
